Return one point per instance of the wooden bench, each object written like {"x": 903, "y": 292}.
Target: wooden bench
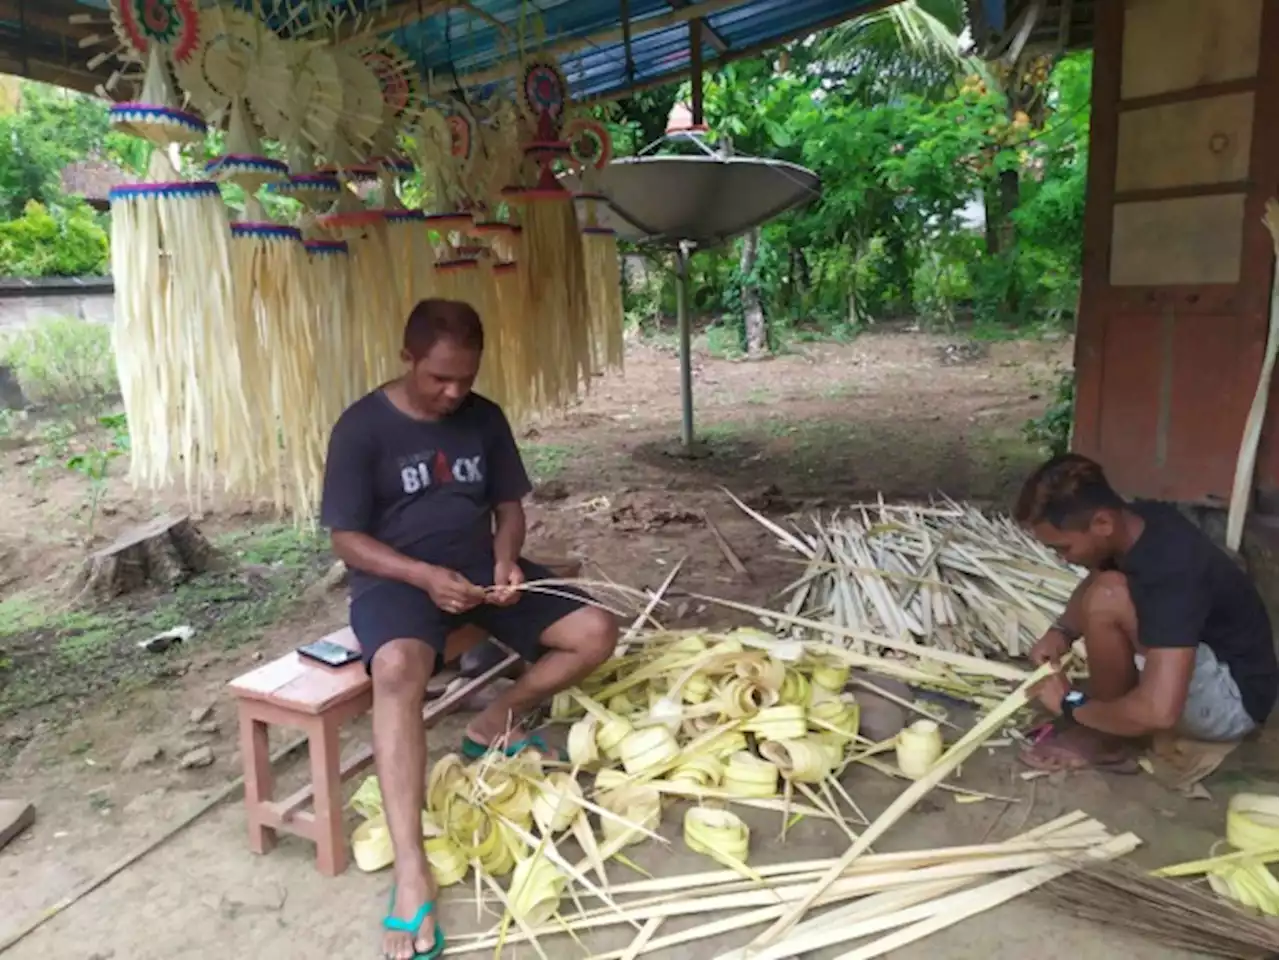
{"x": 317, "y": 700}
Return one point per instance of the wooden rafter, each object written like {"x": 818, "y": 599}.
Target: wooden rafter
{"x": 709, "y": 33}
{"x": 49, "y": 21}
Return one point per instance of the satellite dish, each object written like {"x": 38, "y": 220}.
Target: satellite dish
{"x": 699, "y": 200}
{"x": 687, "y": 201}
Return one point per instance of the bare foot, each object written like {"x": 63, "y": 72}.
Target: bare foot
{"x": 1077, "y": 748}
{"x": 407, "y": 902}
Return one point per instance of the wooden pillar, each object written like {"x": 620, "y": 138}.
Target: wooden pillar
{"x": 1177, "y": 270}
{"x": 695, "y": 70}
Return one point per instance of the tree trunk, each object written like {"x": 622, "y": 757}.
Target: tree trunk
{"x": 991, "y": 221}
{"x": 162, "y": 553}
{"x": 752, "y": 311}
{"x": 1009, "y": 187}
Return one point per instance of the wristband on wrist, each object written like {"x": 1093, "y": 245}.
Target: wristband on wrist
{"x": 1073, "y": 701}
{"x": 1062, "y": 628}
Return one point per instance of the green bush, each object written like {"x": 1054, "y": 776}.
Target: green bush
{"x": 62, "y": 360}
{"x": 1051, "y": 431}
{"x": 57, "y": 242}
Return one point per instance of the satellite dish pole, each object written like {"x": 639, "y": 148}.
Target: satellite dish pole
{"x": 687, "y": 120}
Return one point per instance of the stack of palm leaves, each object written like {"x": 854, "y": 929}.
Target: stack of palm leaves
{"x": 948, "y": 574}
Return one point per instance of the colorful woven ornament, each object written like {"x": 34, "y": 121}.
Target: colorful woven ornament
{"x": 149, "y": 30}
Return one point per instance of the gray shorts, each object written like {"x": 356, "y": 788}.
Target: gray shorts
{"x": 1213, "y": 710}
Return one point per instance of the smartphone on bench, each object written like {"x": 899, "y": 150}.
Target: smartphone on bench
{"x": 329, "y": 653}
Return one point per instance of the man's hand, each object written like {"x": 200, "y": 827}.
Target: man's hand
{"x": 1050, "y": 692}
{"x": 507, "y": 576}
{"x": 1050, "y": 648}
{"x": 450, "y": 590}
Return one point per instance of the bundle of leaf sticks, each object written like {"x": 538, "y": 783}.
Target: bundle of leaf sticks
{"x": 946, "y": 574}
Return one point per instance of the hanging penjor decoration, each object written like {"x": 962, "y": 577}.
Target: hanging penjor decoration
{"x": 309, "y": 119}
{"x": 508, "y": 369}
{"x": 592, "y": 149}
{"x": 407, "y": 235}
{"x": 449, "y": 147}
{"x": 308, "y": 122}
{"x": 269, "y": 307}
{"x": 364, "y": 230}
{"x": 551, "y": 263}
{"x": 179, "y": 369}
{"x": 458, "y": 274}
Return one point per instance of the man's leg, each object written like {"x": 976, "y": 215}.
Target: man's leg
{"x": 1110, "y": 627}
{"x": 1110, "y": 636}
{"x": 400, "y": 633}
{"x": 572, "y": 647}
{"x": 400, "y": 670}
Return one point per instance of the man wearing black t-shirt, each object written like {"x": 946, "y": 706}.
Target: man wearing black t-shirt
{"x": 422, "y": 492}
{"x": 1176, "y": 636}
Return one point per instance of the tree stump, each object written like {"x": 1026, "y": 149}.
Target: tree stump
{"x": 163, "y": 553}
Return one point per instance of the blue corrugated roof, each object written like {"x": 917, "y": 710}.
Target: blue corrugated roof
{"x": 481, "y": 41}
{"x": 465, "y": 42}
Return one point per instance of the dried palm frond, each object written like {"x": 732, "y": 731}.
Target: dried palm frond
{"x": 1179, "y": 915}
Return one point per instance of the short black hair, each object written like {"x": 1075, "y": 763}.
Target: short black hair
{"x": 1065, "y": 492}
{"x": 437, "y": 319}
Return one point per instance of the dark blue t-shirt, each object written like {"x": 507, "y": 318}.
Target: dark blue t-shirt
{"x": 1186, "y": 591}
{"x": 426, "y": 488}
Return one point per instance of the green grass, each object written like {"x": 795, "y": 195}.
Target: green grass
{"x": 992, "y": 331}
{"x": 723, "y": 342}
{"x": 53, "y": 653}
{"x": 545, "y": 461}
{"x": 273, "y": 545}
{"x": 62, "y": 360}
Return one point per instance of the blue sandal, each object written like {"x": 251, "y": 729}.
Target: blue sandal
{"x": 474, "y": 749}
{"x": 411, "y": 927}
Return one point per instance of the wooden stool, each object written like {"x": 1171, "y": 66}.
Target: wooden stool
{"x": 308, "y": 696}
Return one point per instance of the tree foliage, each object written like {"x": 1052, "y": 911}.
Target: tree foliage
{"x": 62, "y": 241}
{"x": 43, "y": 232}
{"x": 913, "y": 143}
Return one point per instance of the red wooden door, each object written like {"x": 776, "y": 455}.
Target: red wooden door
{"x": 1177, "y": 266}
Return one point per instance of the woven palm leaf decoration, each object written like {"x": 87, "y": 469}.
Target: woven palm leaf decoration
{"x": 179, "y": 366}
{"x": 551, "y": 258}
{"x": 591, "y": 148}
{"x": 237, "y": 54}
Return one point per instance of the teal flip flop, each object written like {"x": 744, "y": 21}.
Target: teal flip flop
{"x": 474, "y": 749}
{"x": 411, "y": 927}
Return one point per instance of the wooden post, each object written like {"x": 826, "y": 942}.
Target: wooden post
{"x": 695, "y": 69}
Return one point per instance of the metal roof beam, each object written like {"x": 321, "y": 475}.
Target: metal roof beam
{"x": 570, "y": 45}
{"x": 718, "y": 43}
{"x": 740, "y": 53}
{"x": 393, "y": 15}
{"x": 404, "y": 13}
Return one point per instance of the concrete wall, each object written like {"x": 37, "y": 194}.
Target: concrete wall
{"x": 20, "y": 310}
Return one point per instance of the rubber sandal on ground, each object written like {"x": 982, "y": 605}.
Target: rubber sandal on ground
{"x": 474, "y": 749}
{"x": 411, "y": 927}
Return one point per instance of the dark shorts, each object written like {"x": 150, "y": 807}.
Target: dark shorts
{"x": 390, "y": 610}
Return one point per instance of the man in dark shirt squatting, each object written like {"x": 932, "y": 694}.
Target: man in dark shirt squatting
{"x": 422, "y": 494}
{"x": 1176, "y": 636}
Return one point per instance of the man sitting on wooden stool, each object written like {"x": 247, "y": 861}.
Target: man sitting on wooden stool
{"x": 1176, "y": 636}
{"x": 422, "y": 495}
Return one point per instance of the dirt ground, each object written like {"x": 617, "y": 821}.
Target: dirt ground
{"x": 822, "y": 426}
